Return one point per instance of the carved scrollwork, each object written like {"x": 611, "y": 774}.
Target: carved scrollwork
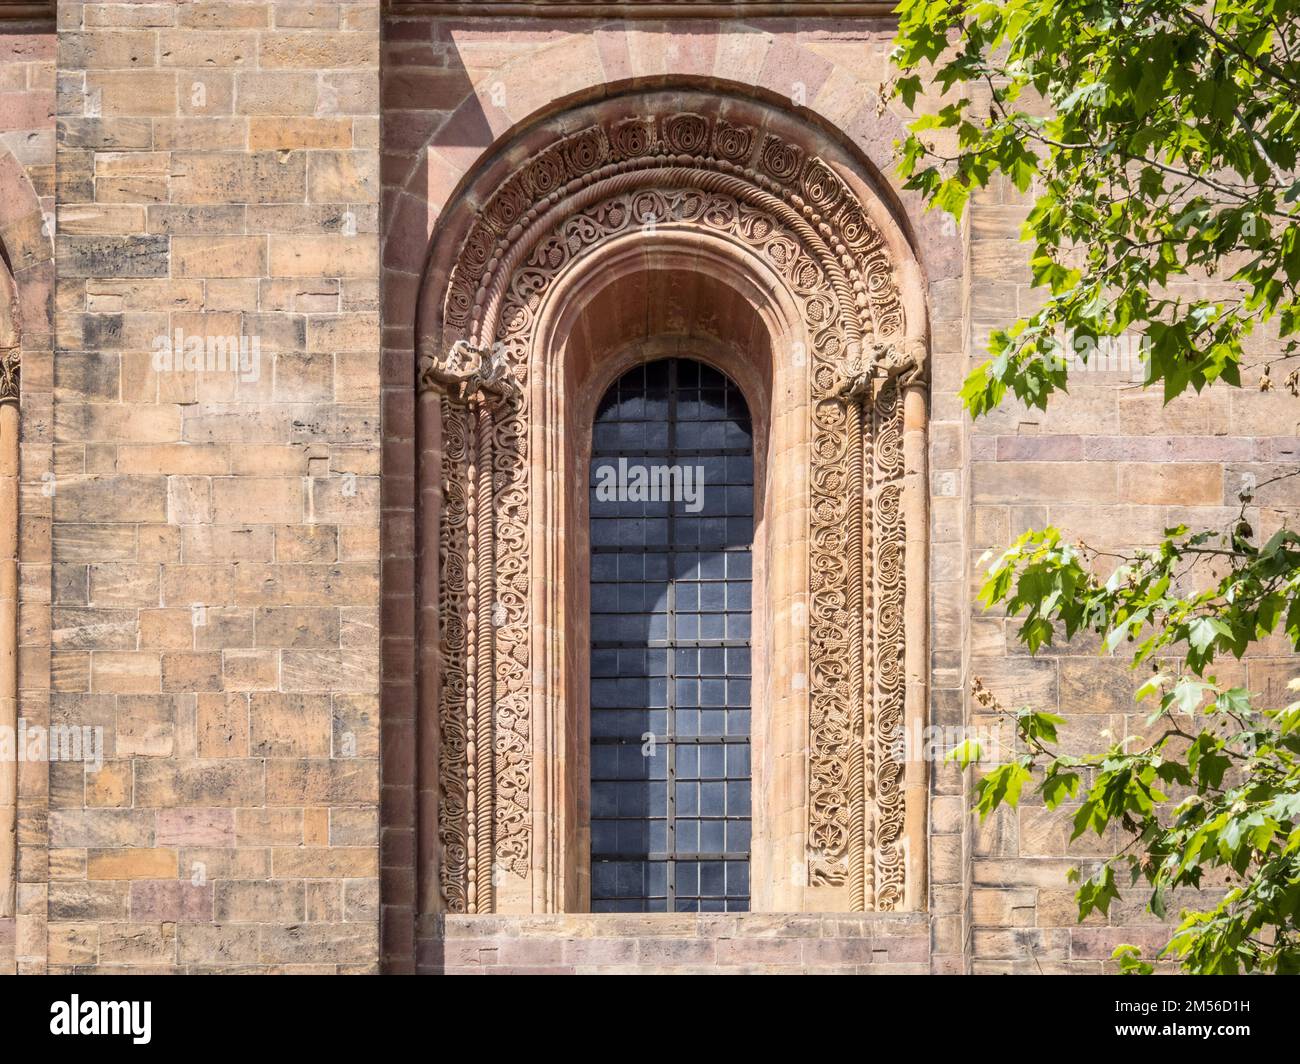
{"x": 10, "y": 373}
{"x": 889, "y": 636}
{"x": 791, "y": 209}
{"x": 453, "y": 763}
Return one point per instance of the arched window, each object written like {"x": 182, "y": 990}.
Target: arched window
{"x": 767, "y": 252}
{"x": 672, "y": 532}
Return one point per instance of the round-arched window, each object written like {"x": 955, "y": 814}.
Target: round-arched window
{"x": 672, "y": 532}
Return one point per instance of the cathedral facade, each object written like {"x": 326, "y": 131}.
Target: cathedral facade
{"x": 484, "y": 487}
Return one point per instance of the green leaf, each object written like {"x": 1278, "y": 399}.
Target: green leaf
{"x": 1130, "y": 960}
{"x": 1058, "y": 787}
{"x": 1096, "y": 893}
{"x": 1001, "y": 786}
{"x": 965, "y": 753}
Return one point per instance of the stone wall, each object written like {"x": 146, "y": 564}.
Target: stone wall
{"x": 27, "y": 193}
{"x": 216, "y": 553}
{"x": 682, "y": 944}
{"x": 1111, "y": 465}
{"x": 1105, "y": 463}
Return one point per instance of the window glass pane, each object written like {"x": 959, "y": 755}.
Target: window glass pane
{"x": 672, "y": 528}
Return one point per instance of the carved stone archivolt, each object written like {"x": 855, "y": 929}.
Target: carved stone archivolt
{"x": 772, "y": 199}
{"x": 657, "y": 9}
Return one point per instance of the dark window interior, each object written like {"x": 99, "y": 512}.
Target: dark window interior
{"x": 672, "y": 530}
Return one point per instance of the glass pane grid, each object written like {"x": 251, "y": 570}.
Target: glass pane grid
{"x": 671, "y": 597}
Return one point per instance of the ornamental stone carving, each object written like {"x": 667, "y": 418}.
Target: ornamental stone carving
{"x": 470, "y": 373}
{"x": 633, "y": 9}
{"x": 781, "y": 203}
{"x": 10, "y": 373}
{"x": 858, "y": 374}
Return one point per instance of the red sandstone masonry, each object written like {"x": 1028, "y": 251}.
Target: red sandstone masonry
{"x": 479, "y": 79}
{"x": 243, "y": 750}
{"x": 1146, "y": 466}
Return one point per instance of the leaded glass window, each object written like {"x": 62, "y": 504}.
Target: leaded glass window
{"x": 672, "y": 529}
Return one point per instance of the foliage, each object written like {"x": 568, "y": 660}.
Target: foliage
{"x": 1211, "y": 796}
{"x": 1158, "y": 138}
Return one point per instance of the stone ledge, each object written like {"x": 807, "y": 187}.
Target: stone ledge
{"x": 680, "y": 944}
{"x": 24, "y": 11}
{"x": 656, "y": 9}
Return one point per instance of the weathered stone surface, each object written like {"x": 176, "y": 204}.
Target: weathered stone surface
{"x": 115, "y": 256}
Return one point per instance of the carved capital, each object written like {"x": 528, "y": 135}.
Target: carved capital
{"x": 905, "y": 359}
{"x": 10, "y": 371}
{"x": 471, "y": 374}
{"x": 854, "y": 376}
